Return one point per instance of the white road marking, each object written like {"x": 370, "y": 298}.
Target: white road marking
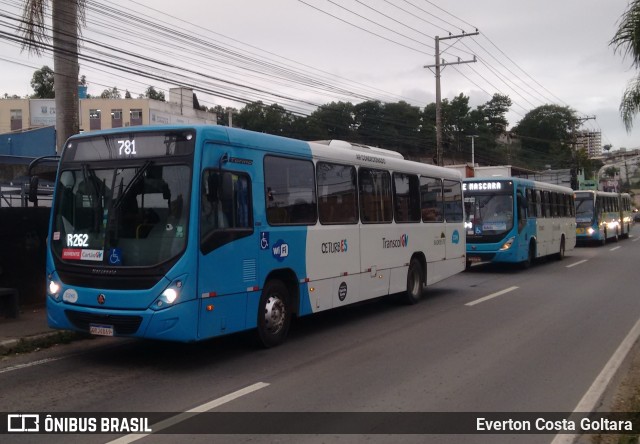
{"x": 593, "y": 396}
{"x": 614, "y": 248}
{"x": 188, "y": 414}
{"x": 577, "y": 263}
{"x": 636, "y": 239}
{"x": 30, "y": 364}
{"x": 491, "y": 296}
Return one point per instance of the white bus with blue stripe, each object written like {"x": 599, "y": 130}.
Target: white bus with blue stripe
{"x": 186, "y": 233}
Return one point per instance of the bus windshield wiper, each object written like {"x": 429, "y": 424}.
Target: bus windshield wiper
{"x": 90, "y": 176}
{"x": 131, "y": 183}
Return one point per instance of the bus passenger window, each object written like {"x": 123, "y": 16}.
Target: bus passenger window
{"x": 290, "y": 191}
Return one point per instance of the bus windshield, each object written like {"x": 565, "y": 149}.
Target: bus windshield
{"x": 131, "y": 216}
{"x": 488, "y": 214}
{"x": 584, "y": 210}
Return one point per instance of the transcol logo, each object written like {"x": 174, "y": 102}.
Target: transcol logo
{"x": 396, "y": 243}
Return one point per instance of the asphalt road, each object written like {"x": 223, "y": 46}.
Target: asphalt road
{"x": 488, "y": 340}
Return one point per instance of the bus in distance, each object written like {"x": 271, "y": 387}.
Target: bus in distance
{"x": 514, "y": 220}
{"x": 602, "y": 216}
{"x": 185, "y": 233}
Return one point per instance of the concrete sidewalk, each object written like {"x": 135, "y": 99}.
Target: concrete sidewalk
{"x": 29, "y": 326}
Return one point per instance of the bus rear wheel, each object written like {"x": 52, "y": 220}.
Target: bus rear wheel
{"x": 415, "y": 282}
{"x": 274, "y": 314}
{"x": 561, "y": 253}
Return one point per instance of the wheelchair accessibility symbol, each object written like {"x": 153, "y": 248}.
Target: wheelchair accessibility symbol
{"x": 115, "y": 256}
{"x": 264, "y": 240}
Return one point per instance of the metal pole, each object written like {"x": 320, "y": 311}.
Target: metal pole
{"x": 473, "y": 150}
{"x": 438, "y": 107}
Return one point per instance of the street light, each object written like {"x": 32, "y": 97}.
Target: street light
{"x": 473, "y": 150}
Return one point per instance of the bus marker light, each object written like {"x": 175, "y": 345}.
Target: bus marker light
{"x": 210, "y": 307}
{"x": 254, "y": 288}
{"x": 211, "y": 294}
{"x": 312, "y": 289}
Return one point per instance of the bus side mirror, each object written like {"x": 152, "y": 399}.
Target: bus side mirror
{"x": 33, "y": 189}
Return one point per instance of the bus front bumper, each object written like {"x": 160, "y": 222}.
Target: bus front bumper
{"x": 175, "y": 323}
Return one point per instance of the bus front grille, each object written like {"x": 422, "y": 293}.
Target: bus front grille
{"x": 122, "y": 324}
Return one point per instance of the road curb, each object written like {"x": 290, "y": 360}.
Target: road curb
{"x": 42, "y": 340}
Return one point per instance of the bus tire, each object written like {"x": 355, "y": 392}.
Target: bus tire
{"x": 274, "y": 314}
{"x": 531, "y": 256}
{"x": 560, "y": 254}
{"x": 415, "y": 282}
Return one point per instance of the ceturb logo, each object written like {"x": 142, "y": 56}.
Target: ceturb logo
{"x": 334, "y": 247}
{"x": 396, "y": 243}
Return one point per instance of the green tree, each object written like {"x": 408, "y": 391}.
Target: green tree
{"x": 127, "y": 94}
{"x": 368, "y": 117}
{"x": 152, "y": 94}
{"x": 42, "y": 83}
{"x": 401, "y": 129}
{"x": 627, "y": 40}
{"x": 547, "y": 135}
{"x": 331, "y": 121}
{"x": 456, "y": 124}
{"x": 489, "y": 122}
{"x": 67, "y": 19}
{"x": 271, "y": 119}
{"x": 111, "y": 93}
{"x": 611, "y": 172}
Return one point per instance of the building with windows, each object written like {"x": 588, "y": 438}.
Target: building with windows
{"x": 591, "y": 142}
{"x": 97, "y": 113}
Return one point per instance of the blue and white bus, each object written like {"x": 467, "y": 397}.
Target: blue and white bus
{"x": 186, "y": 233}
{"x": 517, "y": 220}
{"x": 602, "y": 216}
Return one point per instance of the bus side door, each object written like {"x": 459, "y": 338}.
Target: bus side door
{"x": 228, "y": 241}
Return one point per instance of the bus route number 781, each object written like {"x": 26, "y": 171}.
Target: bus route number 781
{"x": 127, "y": 146}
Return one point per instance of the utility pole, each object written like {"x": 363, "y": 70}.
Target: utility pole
{"x": 438, "y": 66}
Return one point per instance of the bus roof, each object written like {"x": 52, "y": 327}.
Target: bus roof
{"x": 338, "y": 151}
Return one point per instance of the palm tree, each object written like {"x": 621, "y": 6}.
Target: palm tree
{"x": 627, "y": 40}
{"x": 67, "y": 18}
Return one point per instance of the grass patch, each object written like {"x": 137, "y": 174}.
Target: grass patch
{"x": 27, "y": 345}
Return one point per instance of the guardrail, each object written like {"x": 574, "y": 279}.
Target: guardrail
{"x": 18, "y": 196}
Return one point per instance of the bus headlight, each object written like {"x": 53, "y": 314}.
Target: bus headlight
{"x": 590, "y": 231}
{"x": 168, "y": 297}
{"x": 507, "y": 244}
{"x": 54, "y": 289}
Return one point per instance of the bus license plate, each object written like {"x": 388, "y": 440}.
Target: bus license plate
{"x": 101, "y": 330}
{"x": 474, "y": 259}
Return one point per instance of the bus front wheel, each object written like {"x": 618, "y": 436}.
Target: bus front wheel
{"x": 531, "y": 256}
{"x": 274, "y": 314}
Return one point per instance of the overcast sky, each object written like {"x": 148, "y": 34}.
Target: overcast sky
{"x": 536, "y": 52}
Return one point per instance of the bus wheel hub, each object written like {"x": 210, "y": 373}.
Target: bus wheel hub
{"x": 274, "y": 314}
